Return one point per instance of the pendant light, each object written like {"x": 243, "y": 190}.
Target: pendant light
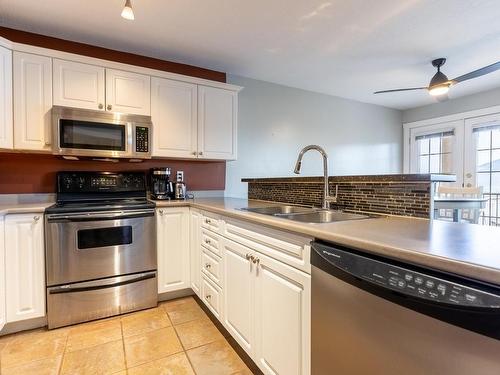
{"x": 127, "y": 11}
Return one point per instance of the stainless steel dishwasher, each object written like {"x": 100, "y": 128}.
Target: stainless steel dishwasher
{"x": 372, "y": 315}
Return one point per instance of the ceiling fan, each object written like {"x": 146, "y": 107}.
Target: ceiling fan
{"x": 440, "y": 84}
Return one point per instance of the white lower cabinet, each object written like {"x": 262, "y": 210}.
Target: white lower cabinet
{"x": 282, "y": 318}
{"x": 3, "y": 313}
{"x": 267, "y": 309}
{"x": 25, "y": 267}
{"x": 195, "y": 251}
{"x": 239, "y": 294}
{"x": 173, "y": 248}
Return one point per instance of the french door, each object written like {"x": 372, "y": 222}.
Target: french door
{"x": 482, "y": 162}
{"x": 468, "y": 148}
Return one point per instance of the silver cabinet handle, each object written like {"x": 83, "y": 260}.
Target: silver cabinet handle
{"x": 255, "y": 260}
{"x": 208, "y": 297}
{"x": 36, "y": 218}
{"x": 208, "y": 266}
{"x": 208, "y": 221}
{"x": 200, "y": 153}
{"x": 248, "y": 256}
{"x": 161, "y": 212}
{"x": 100, "y": 106}
{"x": 109, "y": 107}
{"x": 194, "y": 153}
{"x": 207, "y": 241}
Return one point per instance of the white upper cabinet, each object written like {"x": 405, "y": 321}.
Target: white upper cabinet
{"x": 174, "y": 116}
{"x": 128, "y": 92}
{"x": 78, "y": 85}
{"x": 172, "y": 227}
{"x": 6, "y": 124}
{"x": 217, "y": 123}
{"x": 32, "y": 101}
{"x": 25, "y": 267}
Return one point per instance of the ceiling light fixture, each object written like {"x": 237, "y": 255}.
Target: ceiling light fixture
{"x": 127, "y": 11}
{"x": 439, "y": 89}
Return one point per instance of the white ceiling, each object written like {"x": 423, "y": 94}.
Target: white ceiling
{"x": 347, "y": 48}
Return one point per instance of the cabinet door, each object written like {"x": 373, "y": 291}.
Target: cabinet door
{"x": 6, "y": 124}
{"x": 195, "y": 249}
{"x": 25, "y": 267}
{"x": 32, "y": 101}
{"x": 128, "y": 92}
{"x": 174, "y": 116}
{"x": 173, "y": 249}
{"x": 238, "y": 293}
{"x": 282, "y": 318}
{"x": 217, "y": 123}
{"x": 3, "y": 313}
{"x": 78, "y": 85}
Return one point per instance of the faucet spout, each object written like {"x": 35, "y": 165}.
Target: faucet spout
{"x": 327, "y": 199}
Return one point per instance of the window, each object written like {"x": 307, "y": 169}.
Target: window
{"x": 435, "y": 152}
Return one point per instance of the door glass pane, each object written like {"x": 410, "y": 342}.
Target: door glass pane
{"x": 495, "y": 182}
{"x": 435, "y": 145}
{"x": 446, "y": 144}
{"x": 423, "y": 146}
{"x": 483, "y": 179}
{"x": 495, "y": 138}
{"x": 435, "y": 165}
{"x": 483, "y": 140}
{"x": 446, "y": 163}
{"x": 423, "y": 164}
{"x": 495, "y": 160}
{"x": 483, "y": 161}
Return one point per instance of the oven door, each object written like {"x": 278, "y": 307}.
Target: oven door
{"x": 93, "y": 245}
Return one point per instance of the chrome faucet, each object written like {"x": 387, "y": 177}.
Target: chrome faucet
{"x": 327, "y": 198}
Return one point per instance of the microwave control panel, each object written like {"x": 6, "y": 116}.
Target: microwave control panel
{"x": 141, "y": 139}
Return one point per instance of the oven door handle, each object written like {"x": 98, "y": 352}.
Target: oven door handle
{"x": 101, "y": 284}
{"x": 95, "y": 216}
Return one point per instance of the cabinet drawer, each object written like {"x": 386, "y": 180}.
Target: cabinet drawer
{"x": 212, "y": 297}
{"x": 211, "y": 241}
{"x": 212, "y": 222}
{"x": 290, "y": 248}
{"x": 212, "y": 266}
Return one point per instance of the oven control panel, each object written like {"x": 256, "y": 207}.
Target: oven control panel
{"x": 407, "y": 281}
{"x": 91, "y": 182}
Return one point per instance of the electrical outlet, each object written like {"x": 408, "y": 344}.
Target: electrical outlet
{"x": 179, "y": 176}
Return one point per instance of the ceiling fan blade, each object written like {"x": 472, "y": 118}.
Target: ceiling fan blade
{"x": 477, "y": 73}
{"x": 396, "y": 90}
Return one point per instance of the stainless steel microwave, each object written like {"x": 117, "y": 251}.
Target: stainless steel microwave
{"x": 83, "y": 132}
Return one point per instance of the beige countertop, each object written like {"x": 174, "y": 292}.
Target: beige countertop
{"x": 465, "y": 249}
{"x": 22, "y": 208}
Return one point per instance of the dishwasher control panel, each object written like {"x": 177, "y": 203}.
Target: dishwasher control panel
{"x": 407, "y": 281}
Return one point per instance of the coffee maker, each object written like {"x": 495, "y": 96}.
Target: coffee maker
{"x": 160, "y": 184}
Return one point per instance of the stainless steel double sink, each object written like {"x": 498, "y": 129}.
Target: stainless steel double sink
{"x": 305, "y": 214}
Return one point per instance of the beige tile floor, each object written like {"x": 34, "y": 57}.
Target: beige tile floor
{"x": 176, "y": 338}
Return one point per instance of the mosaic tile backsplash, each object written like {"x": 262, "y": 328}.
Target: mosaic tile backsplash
{"x": 405, "y": 195}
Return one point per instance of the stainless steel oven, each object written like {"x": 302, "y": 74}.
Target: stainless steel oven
{"x": 100, "y": 244}
{"x": 93, "y": 245}
{"x": 83, "y": 132}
